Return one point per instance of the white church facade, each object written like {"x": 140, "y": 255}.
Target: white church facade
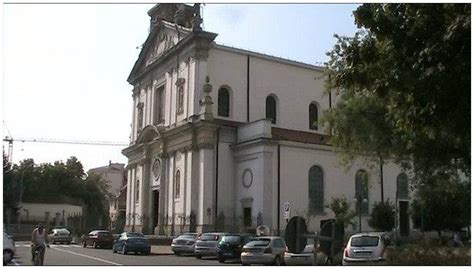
{"x": 223, "y": 138}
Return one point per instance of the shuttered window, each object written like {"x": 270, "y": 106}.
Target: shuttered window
{"x": 316, "y": 190}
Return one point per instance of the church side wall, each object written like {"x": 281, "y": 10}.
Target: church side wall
{"x": 229, "y": 70}
{"x": 339, "y": 181}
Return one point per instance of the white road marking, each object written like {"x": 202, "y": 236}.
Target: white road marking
{"x": 90, "y": 257}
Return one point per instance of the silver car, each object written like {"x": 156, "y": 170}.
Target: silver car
{"x": 9, "y": 248}
{"x": 184, "y": 243}
{"x": 60, "y": 235}
{"x": 303, "y": 258}
{"x": 206, "y": 245}
{"x": 365, "y": 249}
{"x": 264, "y": 250}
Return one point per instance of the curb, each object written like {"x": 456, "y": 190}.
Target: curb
{"x": 161, "y": 254}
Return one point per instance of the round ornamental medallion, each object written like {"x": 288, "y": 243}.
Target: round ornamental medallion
{"x": 247, "y": 178}
{"x": 156, "y": 169}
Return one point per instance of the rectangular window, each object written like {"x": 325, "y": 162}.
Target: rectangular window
{"x": 247, "y": 216}
{"x": 158, "y": 113}
{"x": 180, "y": 100}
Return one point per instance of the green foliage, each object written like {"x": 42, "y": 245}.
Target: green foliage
{"x": 443, "y": 203}
{"x": 403, "y": 84}
{"x": 343, "y": 214}
{"x": 57, "y": 183}
{"x": 382, "y": 218}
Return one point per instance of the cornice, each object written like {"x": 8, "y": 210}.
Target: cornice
{"x": 200, "y": 37}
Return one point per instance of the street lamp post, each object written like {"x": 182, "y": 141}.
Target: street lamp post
{"x": 358, "y": 199}
{"x": 21, "y": 195}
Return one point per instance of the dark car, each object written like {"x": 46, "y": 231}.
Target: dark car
{"x": 98, "y": 238}
{"x": 60, "y": 235}
{"x": 230, "y": 246}
{"x": 132, "y": 242}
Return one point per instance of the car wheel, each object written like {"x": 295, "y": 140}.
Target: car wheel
{"x": 124, "y": 250}
{"x": 198, "y": 256}
{"x": 177, "y": 253}
{"x": 7, "y": 256}
{"x": 277, "y": 261}
{"x": 114, "y": 250}
{"x": 95, "y": 245}
{"x": 68, "y": 242}
{"x": 221, "y": 260}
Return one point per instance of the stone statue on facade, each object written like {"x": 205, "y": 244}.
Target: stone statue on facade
{"x": 197, "y": 20}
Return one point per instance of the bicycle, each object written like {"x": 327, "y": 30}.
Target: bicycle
{"x": 38, "y": 259}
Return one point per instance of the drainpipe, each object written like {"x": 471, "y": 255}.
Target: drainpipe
{"x": 279, "y": 185}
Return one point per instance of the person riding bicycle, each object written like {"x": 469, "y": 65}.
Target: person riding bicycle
{"x": 39, "y": 237}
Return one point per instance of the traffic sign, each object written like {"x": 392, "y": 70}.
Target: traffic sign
{"x": 286, "y": 210}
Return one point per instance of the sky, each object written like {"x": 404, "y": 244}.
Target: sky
{"x": 65, "y": 65}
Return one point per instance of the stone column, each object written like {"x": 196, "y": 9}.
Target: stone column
{"x": 128, "y": 207}
{"x": 145, "y": 195}
{"x": 206, "y": 197}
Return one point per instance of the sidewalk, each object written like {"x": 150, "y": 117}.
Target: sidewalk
{"x": 161, "y": 250}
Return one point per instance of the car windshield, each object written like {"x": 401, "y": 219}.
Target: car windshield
{"x": 260, "y": 242}
{"x": 231, "y": 239}
{"x": 103, "y": 234}
{"x": 186, "y": 236}
{"x": 135, "y": 235}
{"x": 63, "y": 232}
{"x": 209, "y": 237}
{"x": 365, "y": 241}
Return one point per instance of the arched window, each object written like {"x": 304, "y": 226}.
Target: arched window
{"x": 177, "y": 181}
{"x": 223, "y": 102}
{"x": 270, "y": 109}
{"x": 402, "y": 186}
{"x": 313, "y": 116}
{"x": 316, "y": 190}
{"x": 362, "y": 190}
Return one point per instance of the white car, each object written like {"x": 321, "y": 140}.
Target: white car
{"x": 9, "y": 248}
{"x": 365, "y": 249}
{"x": 264, "y": 250}
{"x": 303, "y": 258}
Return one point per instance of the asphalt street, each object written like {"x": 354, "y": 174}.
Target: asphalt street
{"x": 79, "y": 256}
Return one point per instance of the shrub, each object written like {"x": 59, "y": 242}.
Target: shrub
{"x": 383, "y": 216}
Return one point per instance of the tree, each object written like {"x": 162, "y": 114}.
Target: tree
{"x": 382, "y": 217}
{"x": 10, "y": 190}
{"x": 342, "y": 212}
{"x": 403, "y": 84}
{"x": 444, "y": 204}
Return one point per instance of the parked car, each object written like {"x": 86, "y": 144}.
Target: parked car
{"x": 303, "y": 258}
{"x": 264, "y": 250}
{"x": 98, "y": 238}
{"x": 9, "y": 248}
{"x": 206, "y": 245}
{"x": 365, "y": 249}
{"x": 61, "y": 235}
{"x": 132, "y": 242}
{"x": 184, "y": 243}
{"x": 230, "y": 246}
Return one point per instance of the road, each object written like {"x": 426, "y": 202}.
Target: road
{"x": 79, "y": 256}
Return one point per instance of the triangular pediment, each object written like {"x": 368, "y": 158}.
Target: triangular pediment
{"x": 163, "y": 37}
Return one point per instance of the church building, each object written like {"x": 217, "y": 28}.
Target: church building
{"x": 225, "y": 139}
